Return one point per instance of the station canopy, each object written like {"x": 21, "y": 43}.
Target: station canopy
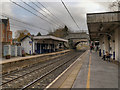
{"x": 102, "y": 23}
{"x": 45, "y": 37}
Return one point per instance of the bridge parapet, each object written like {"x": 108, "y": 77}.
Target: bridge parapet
{"x": 77, "y": 35}
{"x": 76, "y": 38}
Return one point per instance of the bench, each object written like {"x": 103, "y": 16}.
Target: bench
{"x": 107, "y": 57}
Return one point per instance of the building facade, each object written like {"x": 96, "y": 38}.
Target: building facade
{"x": 27, "y": 45}
{"x": 47, "y": 44}
{"x": 5, "y": 33}
{"x": 42, "y": 44}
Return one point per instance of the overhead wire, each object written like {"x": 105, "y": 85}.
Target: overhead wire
{"x": 43, "y": 11}
{"x": 40, "y": 13}
{"x": 46, "y": 9}
{"x": 15, "y": 25}
{"x": 11, "y": 25}
{"x": 8, "y": 16}
{"x": 70, "y": 14}
{"x": 50, "y": 12}
{"x": 54, "y": 15}
{"x": 30, "y": 11}
{"x": 25, "y": 28}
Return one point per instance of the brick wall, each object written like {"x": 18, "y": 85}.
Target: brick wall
{"x": 5, "y": 33}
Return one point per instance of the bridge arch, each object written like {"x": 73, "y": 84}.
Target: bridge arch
{"x": 75, "y": 38}
{"x": 82, "y": 42}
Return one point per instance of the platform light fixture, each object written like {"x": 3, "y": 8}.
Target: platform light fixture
{"x": 101, "y": 27}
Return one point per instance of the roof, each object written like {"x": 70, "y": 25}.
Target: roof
{"x": 26, "y": 37}
{"x": 103, "y": 13}
{"x": 49, "y": 37}
{"x": 100, "y": 24}
{"x": 79, "y": 32}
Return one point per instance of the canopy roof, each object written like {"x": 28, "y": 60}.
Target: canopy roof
{"x": 49, "y": 37}
{"x": 102, "y": 23}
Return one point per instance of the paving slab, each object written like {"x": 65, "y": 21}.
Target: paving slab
{"x": 103, "y": 74}
{"x": 81, "y": 79}
{"x": 93, "y": 73}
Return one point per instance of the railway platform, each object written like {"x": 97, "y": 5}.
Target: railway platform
{"x": 21, "y": 62}
{"x": 88, "y": 71}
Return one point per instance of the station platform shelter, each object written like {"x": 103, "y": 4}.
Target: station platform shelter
{"x": 47, "y": 44}
{"x": 105, "y": 28}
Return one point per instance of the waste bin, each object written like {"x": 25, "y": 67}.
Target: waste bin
{"x": 113, "y": 55}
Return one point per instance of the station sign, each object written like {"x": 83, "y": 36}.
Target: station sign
{"x": 30, "y": 42}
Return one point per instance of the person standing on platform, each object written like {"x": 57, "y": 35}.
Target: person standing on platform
{"x": 91, "y": 47}
{"x": 108, "y": 56}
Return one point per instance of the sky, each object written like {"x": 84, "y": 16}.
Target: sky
{"x": 54, "y": 15}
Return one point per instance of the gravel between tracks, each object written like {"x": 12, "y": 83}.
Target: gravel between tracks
{"x": 24, "y": 77}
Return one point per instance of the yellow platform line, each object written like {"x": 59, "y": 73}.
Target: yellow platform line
{"x": 88, "y": 78}
{"x": 68, "y": 81}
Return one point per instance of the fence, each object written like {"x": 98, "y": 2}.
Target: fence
{"x": 12, "y": 50}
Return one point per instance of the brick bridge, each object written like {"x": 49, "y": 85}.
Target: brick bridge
{"x": 77, "y": 38}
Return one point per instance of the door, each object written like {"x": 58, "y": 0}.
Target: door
{"x": 38, "y": 48}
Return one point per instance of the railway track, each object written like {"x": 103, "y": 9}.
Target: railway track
{"x": 27, "y": 78}
{"x": 25, "y": 68}
{"x": 7, "y": 78}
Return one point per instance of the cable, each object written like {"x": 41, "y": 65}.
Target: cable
{"x": 21, "y": 26}
{"x": 39, "y": 13}
{"x": 51, "y": 12}
{"x": 42, "y": 10}
{"x": 7, "y": 16}
{"x": 29, "y": 11}
{"x": 54, "y": 15}
{"x": 70, "y": 14}
{"x": 12, "y": 25}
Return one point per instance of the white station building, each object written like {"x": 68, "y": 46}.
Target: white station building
{"x": 42, "y": 44}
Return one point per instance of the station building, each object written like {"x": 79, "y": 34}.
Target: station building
{"x": 42, "y": 44}
{"x": 105, "y": 29}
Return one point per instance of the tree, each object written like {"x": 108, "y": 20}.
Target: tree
{"x": 60, "y": 32}
{"x": 19, "y": 34}
{"x": 115, "y": 5}
{"x": 66, "y": 31}
{"x": 20, "y": 37}
{"x": 50, "y": 33}
{"x": 39, "y": 34}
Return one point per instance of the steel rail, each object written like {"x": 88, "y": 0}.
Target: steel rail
{"x": 29, "y": 66}
{"x": 31, "y": 83}
{"x": 30, "y": 72}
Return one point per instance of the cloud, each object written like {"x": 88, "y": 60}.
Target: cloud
{"x": 6, "y": 8}
{"x": 78, "y": 9}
